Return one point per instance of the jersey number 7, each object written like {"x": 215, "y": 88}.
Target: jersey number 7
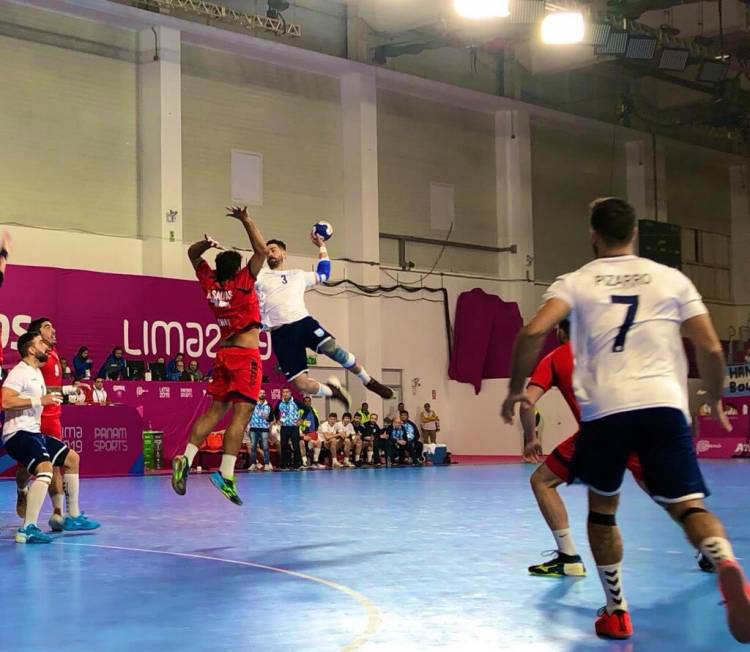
{"x": 632, "y": 303}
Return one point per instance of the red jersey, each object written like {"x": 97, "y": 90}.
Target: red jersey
{"x": 233, "y": 302}
{"x": 53, "y": 377}
{"x": 556, "y": 370}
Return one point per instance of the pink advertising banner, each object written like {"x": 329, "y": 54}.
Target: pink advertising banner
{"x": 148, "y": 316}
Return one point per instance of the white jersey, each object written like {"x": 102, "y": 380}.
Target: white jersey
{"x": 626, "y": 314}
{"x": 327, "y": 430}
{"x": 281, "y": 294}
{"x": 29, "y": 383}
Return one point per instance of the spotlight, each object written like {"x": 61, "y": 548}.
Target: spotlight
{"x": 713, "y": 71}
{"x": 563, "y": 28}
{"x": 674, "y": 59}
{"x": 482, "y": 8}
{"x": 616, "y": 44}
{"x": 640, "y": 47}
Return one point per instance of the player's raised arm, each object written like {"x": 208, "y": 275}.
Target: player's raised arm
{"x": 197, "y": 249}
{"x": 4, "y": 251}
{"x": 257, "y": 242}
{"x": 323, "y": 268}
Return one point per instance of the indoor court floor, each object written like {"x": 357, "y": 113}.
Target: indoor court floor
{"x": 401, "y": 559}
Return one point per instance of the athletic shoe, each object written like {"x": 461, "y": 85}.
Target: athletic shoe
{"x": 736, "y": 592}
{"x": 348, "y": 464}
{"x": 379, "y": 389}
{"x": 226, "y": 487}
{"x": 704, "y": 563}
{"x": 32, "y": 534}
{"x": 336, "y": 465}
{"x": 339, "y": 393}
{"x": 180, "y": 471}
{"x": 614, "y": 625}
{"x": 80, "y": 523}
{"x": 268, "y": 467}
{"x": 561, "y": 566}
{"x": 21, "y": 502}
{"x": 305, "y": 462}
{"x": 56, "y": 522}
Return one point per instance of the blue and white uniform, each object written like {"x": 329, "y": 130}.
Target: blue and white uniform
{"x": 630, "y": 376}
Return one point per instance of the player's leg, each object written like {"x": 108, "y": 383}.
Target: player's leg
{"x": 52, "y": 426}
{"x": 348, "y": 452}
{"x": 29, "y": 451}
{"x": 266, "y": 453}
{"x": 250, "y": 439}
{"x": 22, "y": 488}
{"x": 223, "y": 479}
{"x": 69, "y": 462}
{"x": 599, "y": 461}
{"x": 303, "y": 449}
{"x": 333, "y": 447}
{"x": 200, "y": 429}
{"x": 357, "y": 451}
{"x": 672, "y": 474}
{"x": 544, "y": 483}
{"x": 419, "y": 452}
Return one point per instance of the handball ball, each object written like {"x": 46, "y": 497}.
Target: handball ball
{"x": 323, "y": 229}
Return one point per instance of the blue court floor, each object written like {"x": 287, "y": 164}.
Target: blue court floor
{"x": 400, "y": 559}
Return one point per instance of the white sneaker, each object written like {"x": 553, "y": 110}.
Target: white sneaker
{"x": 348, "y": 464}
{"x": 337, "y": 465}
{"x": 305, "y": 463}
{"x": 268, "y": 467}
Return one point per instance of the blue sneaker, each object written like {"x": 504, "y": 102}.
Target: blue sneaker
{"x": 226, "y": 487}
{"x": 79, "y": 523}
{"x": 32, "y": 534}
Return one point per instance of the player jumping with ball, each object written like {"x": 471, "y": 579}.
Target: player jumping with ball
{"x": 293, "y": 330}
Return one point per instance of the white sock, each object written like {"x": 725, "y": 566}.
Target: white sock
{"x": 304, "y": 461}
{"x": 564, "y": 542}
{"x": 35, "y": 498}
{"x": 71, "y": 483}
{"x": 364, "y": 376}
{"x": 611, "y": 579}
{"x": 323, "y": 390}
{"x": 227, "y": 466}
{"x": 191, "y": 450}
{"x": 316, "y": 455}
{"x": 717, "y": 549}
{"x": 58, "y": 502}
{"x": 369, "y": 455}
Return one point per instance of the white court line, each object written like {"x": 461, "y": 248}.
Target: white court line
{"x": 373, "y": 614}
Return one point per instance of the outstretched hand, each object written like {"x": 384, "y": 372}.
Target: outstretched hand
{"x": 317, "y": 240}
{"x": 213, "y": 244}
{"x": 237, "y": 213}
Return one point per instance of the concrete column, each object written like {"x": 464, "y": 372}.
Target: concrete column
{"x": 160, "y": 150}
{"x": 515, "y": 220}
{"x": 637, "y": 169}
{"x": 739, "y": 189}
{"x": 360, "y": 143}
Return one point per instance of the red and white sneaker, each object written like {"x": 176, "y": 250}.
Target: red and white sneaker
{"x": 615, "y": 625}
{"x": 736, "y": 592}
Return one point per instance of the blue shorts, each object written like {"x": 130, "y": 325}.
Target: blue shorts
{"x": 291, "y": 341}
{"x": 660, "y": 437}
{"x": 32, "y": 448}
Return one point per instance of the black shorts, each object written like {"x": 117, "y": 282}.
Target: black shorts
{"x": 290, "y": 344}
{"x": 32, "y": 448}
{"x": 662, "y": 440}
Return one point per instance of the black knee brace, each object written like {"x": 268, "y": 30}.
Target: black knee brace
{"x": 689, "y": 512}
{"x": 597, "y": 518}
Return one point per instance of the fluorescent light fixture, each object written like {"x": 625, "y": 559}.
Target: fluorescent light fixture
{"x": 563, "y": 28}
{"x": 597, "y": 33}
{"x": 640, "y": 47}
{"x": 616, "y": 44}
{"x": 674, "y": 59}
{"x": 482, "y": 8}
{"x": 713, "y": 71}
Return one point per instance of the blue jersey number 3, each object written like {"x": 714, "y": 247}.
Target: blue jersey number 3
{"x": 632, "y": 304}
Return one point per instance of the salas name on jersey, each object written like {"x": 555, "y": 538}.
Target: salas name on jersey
{"x": 626, "y": 314}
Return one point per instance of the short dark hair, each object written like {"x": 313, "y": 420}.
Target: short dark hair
{"x": 82, "y": 349}
{"x": 346, "y": 414}
{"x": 227, "y": 265}
{"x": 116, "y": 349}
{"x": 333, "y": 414}
{"x": 404, "y": 412}
{"x": 279, "y": 243}
{"x": 25, "y": 341}
{"x": 613, "y": 219}
{"x": 98, "y": 378}
{"x": 36, "y": 325}
{"x": 564, "y": 326}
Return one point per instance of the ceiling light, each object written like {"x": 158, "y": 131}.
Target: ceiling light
{"x": 674, "y": 59}
{"x": 563, "y": 28}
{"x": 640, "y": 47}
{"x": 616, "y": 44}
{"x": 482, "y": 8}
{"x": 597, "y": 33}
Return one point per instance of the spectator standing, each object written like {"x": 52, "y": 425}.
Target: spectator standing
{"x": 413, "y": 445}
{"x": 430, "y": 424}
{"x": 364, "y": 412}
{"x": 257, "y": 432}
{"x": 309, "y": 424}
{"x": 82, "y": 364}
{"x": 287, "y": 414}
{"x": 99, "y": 394}
{"x": 333, "y": 438}
{"x": 114, "y": 367}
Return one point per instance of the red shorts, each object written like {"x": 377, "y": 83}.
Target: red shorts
{"x": 558, "y": 461}
{"x": 51, "y": 426}
{"x": 237, "y": 375}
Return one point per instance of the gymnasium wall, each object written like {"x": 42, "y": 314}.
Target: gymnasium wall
{"x": 292, "y": 118}
{"x": 68, "y": 132}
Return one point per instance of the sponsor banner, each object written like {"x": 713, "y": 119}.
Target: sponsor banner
{"x": 720, "y": 447}
{"x": 737, "y": 381}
